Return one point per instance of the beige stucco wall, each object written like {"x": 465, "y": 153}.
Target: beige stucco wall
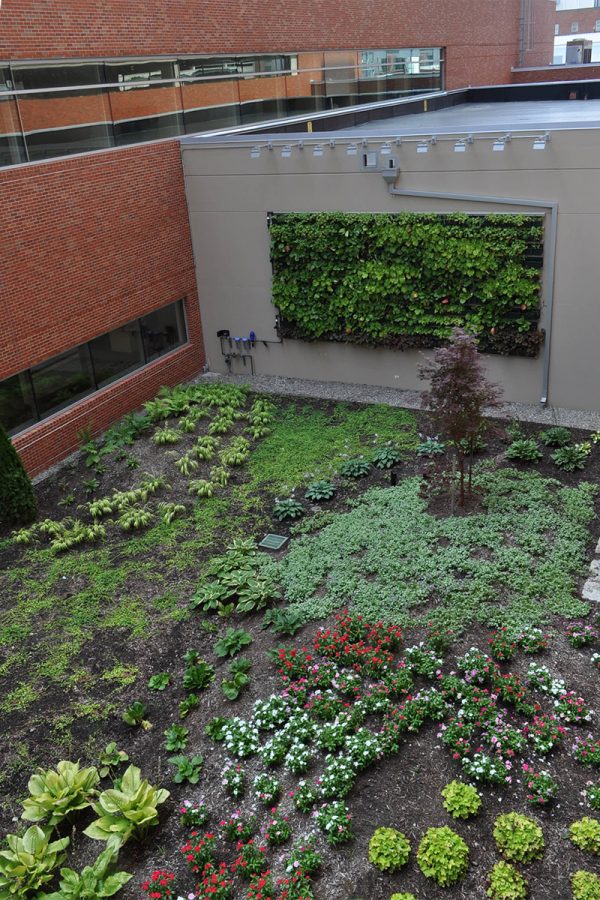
{"x": 229, "y": 195}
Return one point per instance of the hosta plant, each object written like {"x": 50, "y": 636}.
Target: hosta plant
{"x": 461, "y": 800}
{"x": 555, "y": 436}
{"x": 159, "y": 682}
{"x": 585, "y": 834}
{"x": 54, "y": 794}
{"x": 319, "y": 491}
{"x": 29, "y": 861}
{"x": 355, "y": 468}
{"x": 135, "y": 714}
{"x": 506, "y": 883}
{"x": 443, "y": 856}
{"x": 525, "y": 449}
{"x": 389, "y": 849}
{"x": 518, "y": 838}
{"x": 573, "y": 457}
{"x": 110, "y": 758}
{"x": 585, "y": 885}
{"x": 386, "y": 458}
{"x": 130, "y": 810}
{"x": 288, "y": 509}
{"x": 94, "y": 881}
{"x": 198, "y": 676}
{"x": 232, "y": 687}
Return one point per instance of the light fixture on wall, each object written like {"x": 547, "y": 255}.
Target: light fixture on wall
{"x": 351, "y": 150}
{"x": 385, "y": 149}
{"x": 286, "y": 151}
{"x": 318, "y": 150}
{"x": 500, "y": 143}
{"x": 423, "y": 147}
{"x": 255, "y": 152}
{"x": 541, "y": 141}
{"x": 462, "y": 144}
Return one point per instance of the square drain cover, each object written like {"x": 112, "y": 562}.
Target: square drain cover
{"x": 273, "y": 541}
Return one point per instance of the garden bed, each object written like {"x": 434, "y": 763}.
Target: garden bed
{"x": 83, "y": 631}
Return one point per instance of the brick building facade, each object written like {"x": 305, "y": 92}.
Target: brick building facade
{"x": 92, "y": 242}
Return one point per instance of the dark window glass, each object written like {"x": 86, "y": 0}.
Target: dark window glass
{"x": 17, "y": 409}
{"x": 151, "y": 128}
{"x": 116, "y": 353}
{"x": 64, "y": 141}
{"x": 208, "y": 65}
{"x": 5, "y": 79}
{"x": 163, "y": 330}
{"x": 62, "y": 380}
{"x": 212, "y": 117}
{"x": 12, "y": 149}
{"x": 33, "y": 78}
{"x": 130, "y": 73}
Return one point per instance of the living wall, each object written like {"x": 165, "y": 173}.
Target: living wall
{"x": 405, "y": 280}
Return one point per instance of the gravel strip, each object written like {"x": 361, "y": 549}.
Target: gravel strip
{"x": 368, "y": 393}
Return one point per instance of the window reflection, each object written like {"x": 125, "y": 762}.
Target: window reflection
{"x": 62, "y": 380}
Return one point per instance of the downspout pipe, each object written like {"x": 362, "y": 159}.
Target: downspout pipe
{"x": 549, "y": 206}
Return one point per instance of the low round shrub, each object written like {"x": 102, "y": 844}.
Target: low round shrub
{"x": 389, "y": 849}
{"x": 585, "y": 886}
{"x": 443, "y": 856}
{"x": 461, "y": 800}
{"x": 403, "y": 897}
{"x": 585, "y": 834}
{"x": 505, "y": 883}
{"x": 518, "y": 838}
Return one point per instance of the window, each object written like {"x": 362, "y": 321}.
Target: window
{"x": 56, "y": 383}
{"x": 129, "y": 74}
{"x": 574, "y": 27}
{"x": 597, "y": 24}
{"x": 557, "y": 29}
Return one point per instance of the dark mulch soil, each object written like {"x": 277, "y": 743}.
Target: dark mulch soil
{"x": 403, "y": 791}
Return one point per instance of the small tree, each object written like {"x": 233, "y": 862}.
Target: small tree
{"x": 458, "y": 393}
{"x": 17, "y": 501}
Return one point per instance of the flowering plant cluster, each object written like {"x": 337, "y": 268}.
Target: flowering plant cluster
{"x": 298, "y": 758}
{"x": 267, "y": 788}
{"x": 305, "y": 857}
{"x": 483, "y": 767}
{"x": 240, "y": 738}
{"x": 504, "y": 739}
{"x": 541, "y": 786}
{"x": 540, "y": 679}
{"x": 503, "y": 645}
{"x": 234, "y": 781}
{"x": 572, "y": 708}
{"x": 477, "y": 667}
{"x": 422, "y": 660}
{"x": 581, "y": 635}
{"x": 193, "y": 814}
{"x": 532, "y": 640}
{"x": 592, "y": 794}
{"x": 215, "y": 883}
{"x": 305, "y": 796}
{"x": 595, "y": 660}
{"x": 271, "y": 713}
{"x": 159, "y": 885}
{"x": 335, "y": 821}
{"x": 251, "y": 859}
{"x": 278, "y": 829}
{"x": 198, "y": 851}
{"x": 338, "y": 777}
{"x": 261, "y": 886}
{"x": 544, "y": 732}
{"x": 587, "y": 751}
{"x": 325, "y": 704}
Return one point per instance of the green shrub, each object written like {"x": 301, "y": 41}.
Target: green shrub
{"x": 187, "y": 768}
{"x": 505, "y": 883}
{"x": 94, "y": 880}
{"x": 29, "y": 861}
{"x": 585, "y": 834}
{"x": 389, "y": 849}
{"x": 54, "y": 794}
{"x": 131, "y": 809}
{"x": 518, "y": 838}
{"x": 288, "y": 509}
{"x": 17, "y": 501}
{"x": 525, "y": 449}
{"x": 386, "y": 458}
{"x": 403, "y": 897}
{"x": 355, "y": 468}
{"x": 232, "y": 642}
{"x": 443, "y": 856}
{"x": 573, "y": 457}
{"x": 461, "y": 800}
{"x": 585, "y": 885}
{"x": 555, "y": 436}
{"x": 320, "y": 490}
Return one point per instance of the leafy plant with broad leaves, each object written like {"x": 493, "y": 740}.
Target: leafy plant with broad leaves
{"x": 461, "y": 800}
{"x": 131, "y": 810}
{"x": 288, "y": 509}
{"x": 188, "y": 768}
{"x": 386, "y": 458}
{"x": 94, "y": 881}
{"x": 159, "y": 682}
{"x": 355, "y": 468}
{"x": 176, "y": 738}
{"x": 234, "y": 640}
{"x": 505, "y": 883}
{"x": 198, "y": 676}
{"x": 573, "y": 457}
{"x": 555, "y": 436}
{"x": 284, "y": 621}
{"x": 443, "y": 856}
{"x": 319, "y": 491}
{"x": 135, "y": 714}
{"x": 29, "y": 861}
{"x": 518, "y": 838}
{"x": 56, "y": 793}
{"x": 110, "y": 758}
{"x": 389, "y": 849}
{"x": 525, "y": 449}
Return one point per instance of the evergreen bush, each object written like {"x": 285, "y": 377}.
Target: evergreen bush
{"x": 17, "y": 501}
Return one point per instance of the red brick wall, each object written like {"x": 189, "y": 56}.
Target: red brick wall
{"x": 481, "y": 36}
{"x": 557, "y": 73}
{"x": 91, "y": 243}
{"x": 585, "y": 18}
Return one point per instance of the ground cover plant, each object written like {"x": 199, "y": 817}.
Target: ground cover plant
{"x": 354, "y": 716}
